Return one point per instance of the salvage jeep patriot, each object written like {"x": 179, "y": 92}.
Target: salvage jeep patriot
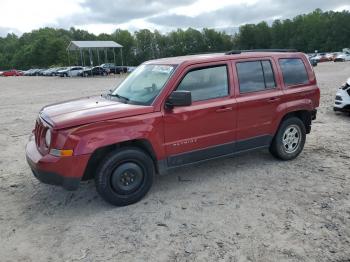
{"x": 175, "y": 112}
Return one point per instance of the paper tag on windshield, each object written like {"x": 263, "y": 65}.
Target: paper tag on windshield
{"x": 162, "y": 69}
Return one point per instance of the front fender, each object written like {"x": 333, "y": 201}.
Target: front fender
{"x": 97, "y": 135}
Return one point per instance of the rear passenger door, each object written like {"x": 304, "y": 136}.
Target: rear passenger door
{"x": 259, "y": 97}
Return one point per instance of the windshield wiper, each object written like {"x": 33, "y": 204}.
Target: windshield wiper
{"x": 120, "y": 97}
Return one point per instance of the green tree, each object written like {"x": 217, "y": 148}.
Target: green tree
{"x": 318, "y": 30}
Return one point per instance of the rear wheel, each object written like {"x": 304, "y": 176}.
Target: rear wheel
{"x": 289, "y": 140}
{"x": 125, "y": 176}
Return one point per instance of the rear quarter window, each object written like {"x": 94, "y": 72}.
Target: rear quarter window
{"x": 294, "y": 71}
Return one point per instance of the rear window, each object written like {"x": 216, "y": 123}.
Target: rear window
{"x": 294, "y": 71}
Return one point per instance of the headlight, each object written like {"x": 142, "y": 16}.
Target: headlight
{"x": 48, "y": 137}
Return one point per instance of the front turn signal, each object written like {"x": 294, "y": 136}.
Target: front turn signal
{"x": 61, "y": 152}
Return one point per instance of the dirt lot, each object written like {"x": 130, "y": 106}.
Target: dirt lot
{"x": 247, "y": 208}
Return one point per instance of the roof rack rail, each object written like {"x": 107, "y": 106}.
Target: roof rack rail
{"x": 236, "y": 52}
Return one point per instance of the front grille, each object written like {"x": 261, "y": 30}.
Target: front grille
{"x": 39, "y": 133}
{"x": 339, "y": 98}
{"x": 338, "y": 103}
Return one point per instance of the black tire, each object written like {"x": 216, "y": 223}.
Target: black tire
{"x": 118, "y": 169}
{"x": 285, "y": 145}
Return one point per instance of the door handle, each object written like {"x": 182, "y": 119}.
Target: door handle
{"x": 273, "y": 99}
{"x": 224, "y": 109}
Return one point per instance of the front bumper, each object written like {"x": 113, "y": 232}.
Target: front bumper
{"x": 61, "y": 171}
{"x": 342, "y": 101}
{"x": 339, "y": 105}
{"x": 342, "y": 109}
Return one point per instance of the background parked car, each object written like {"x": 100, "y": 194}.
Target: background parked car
{"x": 36, "y": 72}
{"x": 329, "y": 56}
{"x": 55, "y": 72}
{"x": 111, "y": 68}
{"x": 48, "y": 72}
{"x": 41, "y": 72}
{"x": 122, "y": 69}
{"x": 313, "y": 62}
{"x": 319, "y": 58}
{"x": 95, "y": 71}
{"x": 335, "y": 55}
{"x": 342, "y": 98}
{"x": 29, "y": 72}
{"x": 108, "y": 66}
{"x": 131, "y": 68}
{"x": 70, "y": 71}
{"x": 12, "y": 72}
{"x": 342, "y": 57}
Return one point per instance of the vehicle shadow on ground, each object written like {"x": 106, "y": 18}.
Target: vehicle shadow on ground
{"x": 342, "y": 115}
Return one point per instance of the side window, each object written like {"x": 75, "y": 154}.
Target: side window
{"x": 255, "y": 76}
{"x": 294, "y": 71}
{"x": 206, "y": 83}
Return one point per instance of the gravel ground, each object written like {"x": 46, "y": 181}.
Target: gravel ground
{"x": 247, "y": 208}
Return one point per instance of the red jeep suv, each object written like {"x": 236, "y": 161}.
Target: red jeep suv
{"x": 175, "y": 112}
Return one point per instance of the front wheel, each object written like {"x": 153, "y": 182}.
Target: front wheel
{"x": 125, "y": 176}
{"x": 289, "y": 140}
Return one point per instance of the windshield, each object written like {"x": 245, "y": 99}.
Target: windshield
{"x": 143, "y": 84}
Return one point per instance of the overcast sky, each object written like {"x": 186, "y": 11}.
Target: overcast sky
{"x": 104, "y": 16}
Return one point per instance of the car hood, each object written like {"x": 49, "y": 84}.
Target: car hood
{"x": 348, "y": 82}
{"x": 88, "y": 110}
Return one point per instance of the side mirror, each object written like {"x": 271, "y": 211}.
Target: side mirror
{"x": 179, "y": 98}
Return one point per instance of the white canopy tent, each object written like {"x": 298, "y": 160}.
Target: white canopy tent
{"x": 90, "y": 46}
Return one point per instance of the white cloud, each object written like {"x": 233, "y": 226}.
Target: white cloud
{"x": 104, "y": 16}
{"x": 202, "y": 6}
{"x": 28, "y": 15}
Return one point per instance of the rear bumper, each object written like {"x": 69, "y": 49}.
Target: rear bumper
{"x": 61, "y": 171}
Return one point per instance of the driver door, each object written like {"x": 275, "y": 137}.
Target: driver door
{"x": 207, "y": 128}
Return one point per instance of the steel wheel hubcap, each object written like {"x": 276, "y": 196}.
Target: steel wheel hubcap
{"x": 127, "y": 178}
{"x": 291, "y": 138}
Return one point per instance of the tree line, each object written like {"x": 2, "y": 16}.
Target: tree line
{"x": 323, "y": 31}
